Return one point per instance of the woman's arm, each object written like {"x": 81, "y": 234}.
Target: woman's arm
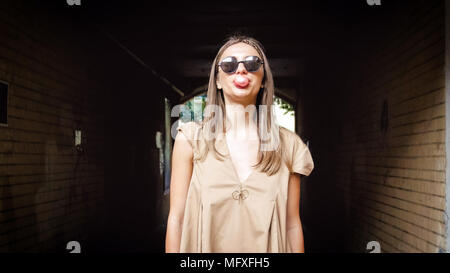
{"x": 182, "y": 157}
{"x": 294, "y": 231}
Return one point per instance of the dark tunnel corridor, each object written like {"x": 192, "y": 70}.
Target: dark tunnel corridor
{"x": 367, "y": 82}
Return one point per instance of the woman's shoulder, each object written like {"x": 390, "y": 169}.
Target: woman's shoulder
{"x": 291, "y": 141}
{"x": 289, "y": 135}
{"x": 190, "y": 128}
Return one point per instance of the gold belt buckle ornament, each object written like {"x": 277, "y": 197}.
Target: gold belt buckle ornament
{"x": 240, "y": 194}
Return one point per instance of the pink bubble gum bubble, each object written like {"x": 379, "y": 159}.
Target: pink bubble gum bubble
{"x": 241, "y": 81}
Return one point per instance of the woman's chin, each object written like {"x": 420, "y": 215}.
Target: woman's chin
{"x": 241, "y": 92}
{"x": 241, "y": 95}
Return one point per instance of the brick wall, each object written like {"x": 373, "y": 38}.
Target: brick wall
{"x": 390, "y": 168}
{"x": 49, "y": 193}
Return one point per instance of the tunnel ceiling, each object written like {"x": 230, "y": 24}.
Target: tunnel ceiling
{"x": 180, "y": 40}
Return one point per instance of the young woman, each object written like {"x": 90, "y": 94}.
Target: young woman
{"x": 235, "y": 182}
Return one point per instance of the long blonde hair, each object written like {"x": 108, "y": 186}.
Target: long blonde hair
{"x": 269, "y": 158}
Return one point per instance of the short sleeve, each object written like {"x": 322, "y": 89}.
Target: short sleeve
{"x": 189, "y": 130}
{"x": 302, "y": 161}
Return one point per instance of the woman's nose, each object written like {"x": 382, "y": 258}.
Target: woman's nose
{"x": 241, "y": 68}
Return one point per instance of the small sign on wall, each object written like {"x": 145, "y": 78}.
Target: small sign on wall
{"x": 3, "y": 103}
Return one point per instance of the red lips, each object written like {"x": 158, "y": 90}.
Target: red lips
{"x": 241, "y": 81}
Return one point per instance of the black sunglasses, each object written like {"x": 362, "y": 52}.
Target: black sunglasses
{"x": 230, "y": 64}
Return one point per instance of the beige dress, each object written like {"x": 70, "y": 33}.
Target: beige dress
{"x": 222, "y": 216}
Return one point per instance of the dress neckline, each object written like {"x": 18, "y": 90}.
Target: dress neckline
{"x": 230, "y": 159}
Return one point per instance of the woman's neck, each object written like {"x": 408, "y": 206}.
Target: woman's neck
{"x": 241, "y": 120}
